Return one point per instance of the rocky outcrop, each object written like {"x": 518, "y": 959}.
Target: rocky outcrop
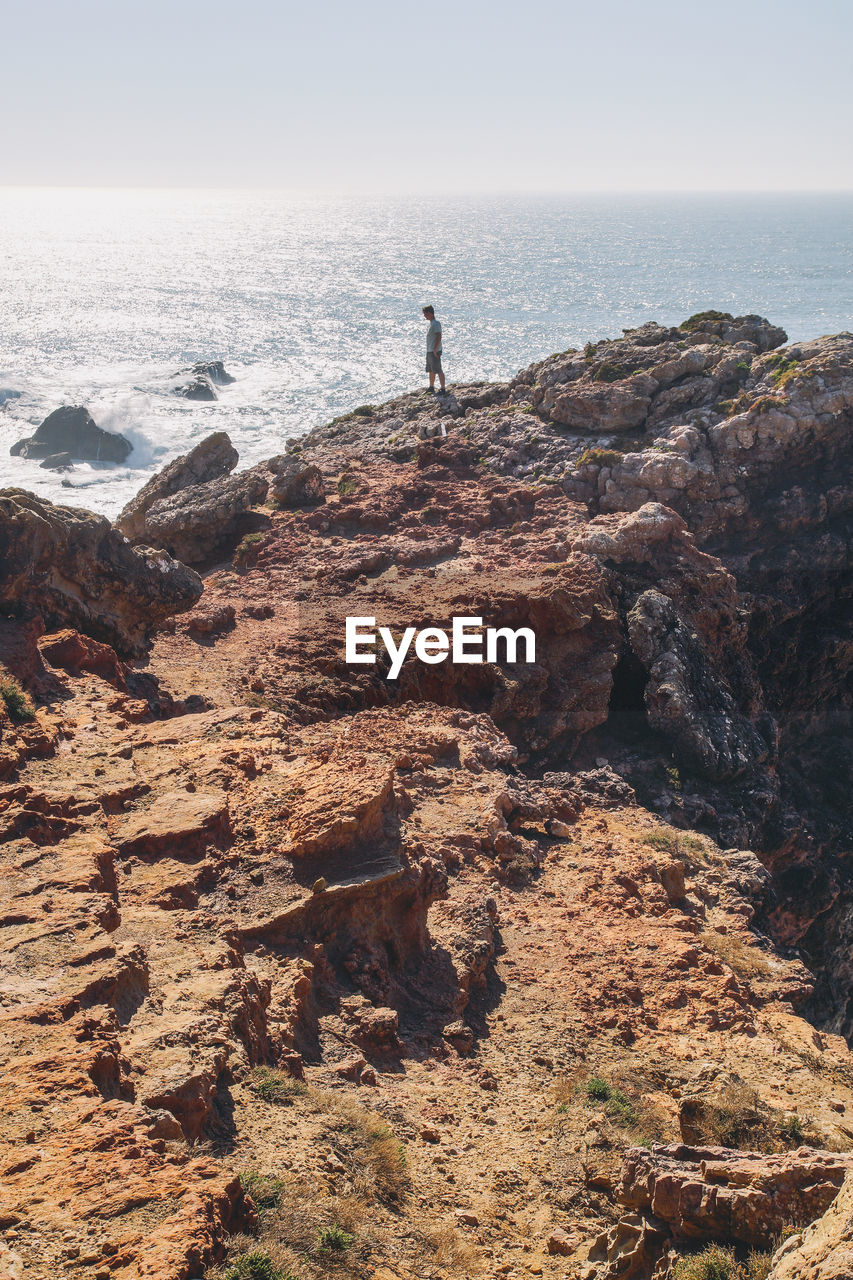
{"x": 194, "y": 509}
{"x": 195, "y": 523}
{"x": 212, "y": 458}
{"x": 824, "y": 1251}
{"x": 283, "y": 885}
{"x": 73, "y": 430}
{"x": 200, "y": 387}
{"x": 71, "y": 568}
{"x": 715, "y": 1193}
{"x": 215, "y": 370}
{"x": 296, "y": 483}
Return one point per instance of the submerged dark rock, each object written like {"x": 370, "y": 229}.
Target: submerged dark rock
{"x": 72, "y": 429}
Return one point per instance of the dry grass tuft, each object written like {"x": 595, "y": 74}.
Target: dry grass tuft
{"x": 374, "y": 1156}
{"x": 742, "y": 958}
{"x": 453, "y": 1252}
{"x": 690, "y": 848}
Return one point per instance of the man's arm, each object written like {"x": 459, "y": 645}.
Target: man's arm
{"x": 437, "y": 343}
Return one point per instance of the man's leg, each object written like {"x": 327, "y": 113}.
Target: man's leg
{"x": 432, "y": 382}
{"x": 441, "y": 379}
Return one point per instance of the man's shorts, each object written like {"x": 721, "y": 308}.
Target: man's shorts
{"x": 433, "y": 364}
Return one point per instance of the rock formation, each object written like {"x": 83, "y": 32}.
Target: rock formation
{"x": 72, "y": 430}
{"x": 824, "y": 1251}
{"x": 211, "y": 459}
{"x": 199, "y": 387}
{"x": 71, "y": 568}
{"x": 270, "y": 916}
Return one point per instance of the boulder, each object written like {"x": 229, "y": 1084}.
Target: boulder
{"x": 216, "y": 371}
{"x": 72, "y": 430}
{"x": 195, "y": 523}
{"x": 297, "y": 483}
{"x": 6, "y": 394}
{"x": 71, "y": 568}
{"x": 57, "y": 462}
{"x": 213, "y": 457}
{"x": 199, "y": 387}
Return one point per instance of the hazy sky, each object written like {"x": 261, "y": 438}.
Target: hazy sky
{"x": 528, "y": 95}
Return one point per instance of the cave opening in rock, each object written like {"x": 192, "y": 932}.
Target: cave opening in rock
{"x": 627, "y": 697}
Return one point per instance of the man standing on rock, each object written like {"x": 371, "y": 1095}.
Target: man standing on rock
{"x": 433, "y": 359}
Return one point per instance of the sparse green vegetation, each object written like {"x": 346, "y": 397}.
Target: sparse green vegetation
{"x": 738, "y": 1118}
{"x": 364, "y": 411}
{"x": 609, "y": 371}
{"x": 334, "y": 1238}
{"x": 673, "y": 775}
{"x": 18, "y": 704}
{"x": 685, "y": 845}
{"x": 643, "y": 1119}
{"x": 720, "y": 1262}
{"x": 256, "y": 1265}
{"x": 596, "y": 1089}
{"x": 715, "y": 1262}
{"x": 276, "y": 1086}
{"x": 377, "y": 1155}
{"x": 246, "y": 545}
{"x": 346, "y": 485}
{"x": 784, "y": 368}
{"x": 743, "y": 364}
{"x": 702, "y": 318}
{"x": 791, "y": 1128}
{"x": 600, "y": 458}
{"x": 617, "y": 1105}
{"x": 764, "y": 404}
{"x": 266, "y": 1191}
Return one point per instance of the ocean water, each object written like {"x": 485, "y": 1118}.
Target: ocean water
{"x": 314, "y": 303}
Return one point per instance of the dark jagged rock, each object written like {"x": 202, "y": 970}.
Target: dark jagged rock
{"x": 199, "y": 387}
{"x": 73, "y": 569}
{"x": 213, "y": 457}
{"x": 72, "y": 429}
{"x": 216, "y": 371}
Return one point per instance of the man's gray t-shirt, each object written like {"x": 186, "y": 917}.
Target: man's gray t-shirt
{"x": 434, "y": 328}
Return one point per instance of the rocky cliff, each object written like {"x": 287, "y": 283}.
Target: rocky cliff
{"x": 311, "y": 969}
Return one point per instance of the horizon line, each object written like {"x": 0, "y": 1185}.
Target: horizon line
{"x": 413, "y": 192}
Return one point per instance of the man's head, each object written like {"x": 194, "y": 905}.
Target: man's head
{"x": 429, "y": 313}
